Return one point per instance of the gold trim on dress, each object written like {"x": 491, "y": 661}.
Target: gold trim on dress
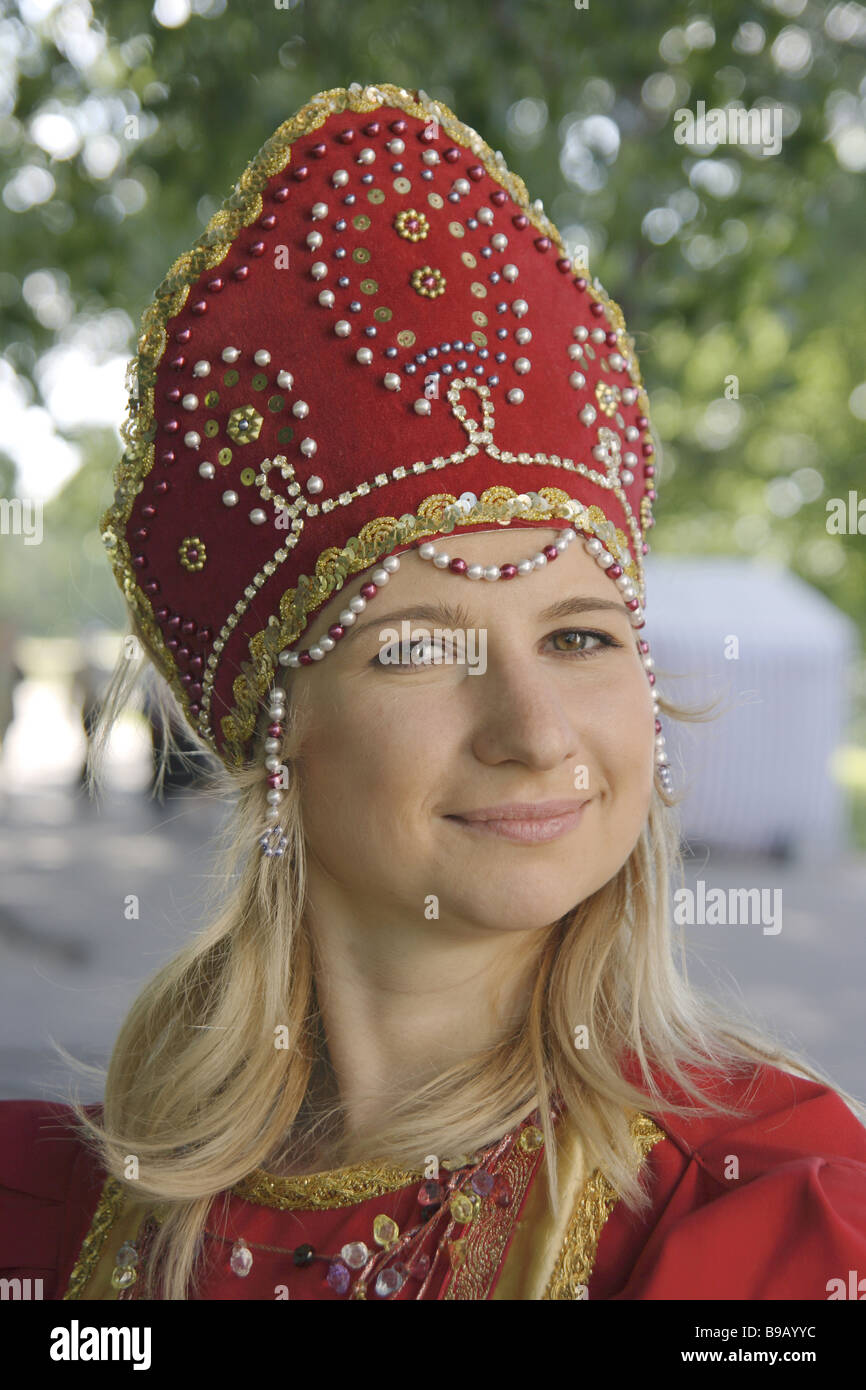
{"x": 338, "y": 1187}
{"x": 597, "y": 1200}
{"x": 485, "y": 1238}
{"x": 108, "y": 1210}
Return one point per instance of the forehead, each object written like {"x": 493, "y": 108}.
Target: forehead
{"x": 451, "y": 598}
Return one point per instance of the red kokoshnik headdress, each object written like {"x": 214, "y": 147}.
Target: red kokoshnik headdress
{"x": 377, "y": 340}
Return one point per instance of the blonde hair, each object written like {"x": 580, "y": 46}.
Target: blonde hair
{"x": 197, "y": 1090}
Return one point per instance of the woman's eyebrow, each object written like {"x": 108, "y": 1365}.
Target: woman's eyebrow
{"x": 449, "y": 616}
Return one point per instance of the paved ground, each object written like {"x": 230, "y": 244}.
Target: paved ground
{"x": 71, "y": 963}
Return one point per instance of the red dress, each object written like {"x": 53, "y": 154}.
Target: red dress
{"x": 769, "y": 1206}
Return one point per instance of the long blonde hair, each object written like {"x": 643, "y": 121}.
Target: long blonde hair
{"x": 197, "y": 1090}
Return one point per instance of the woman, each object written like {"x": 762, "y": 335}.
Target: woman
{"x": 434, "y": 1044}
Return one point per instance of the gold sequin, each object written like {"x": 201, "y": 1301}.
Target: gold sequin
{"x": 435, "y": 200}
{"x": 479, "y": 317}
{"x": 376, "y": 195}
{"x": 479, "y": 290}
{"x": 224, "y": 457}
{"x": 361, "y": 222}
{"x": 406, "y": 337}
{"x": 369, "y": 286}
{"x": 468, "y": 259}
{"x": 402, "y": 185}
{"x": 456, "y": 229}
{"x": 383, "y": 315}
{"x": 361, "y": 255}
{"x": 479, "y": 339}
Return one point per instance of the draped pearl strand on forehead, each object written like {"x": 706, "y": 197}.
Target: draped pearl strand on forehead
{"x": 273, "y": 841}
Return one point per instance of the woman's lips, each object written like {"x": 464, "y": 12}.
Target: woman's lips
{"x": 532, "y": 830}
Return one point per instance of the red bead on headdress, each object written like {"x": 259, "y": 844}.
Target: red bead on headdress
{"x": 376, "y": 342}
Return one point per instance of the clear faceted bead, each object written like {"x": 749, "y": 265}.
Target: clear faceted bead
{"x": 389, "y": 1281}
{"x": 241, "y": 1258}
{"x": 126, "y": 1255}
{"x": 355, "y": 1254}
{"x": 122, "y": 1276}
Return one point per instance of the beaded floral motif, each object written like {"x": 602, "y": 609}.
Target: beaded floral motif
{"x": 428, "y": 282}
{"x": 244, "y": 424}
{"x": 192, "y": 553}
{"x": 412, "y": 225}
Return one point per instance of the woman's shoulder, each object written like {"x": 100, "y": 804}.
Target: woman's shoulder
{"x": 50, "y": 1182}
{"x": 768, "y": 1203}
{"x": 781, "y": 1115}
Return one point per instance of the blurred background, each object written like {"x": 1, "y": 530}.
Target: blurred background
{"x": 742, "y": 278}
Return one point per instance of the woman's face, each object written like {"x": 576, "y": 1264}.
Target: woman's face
{"x": 559, "y": 708}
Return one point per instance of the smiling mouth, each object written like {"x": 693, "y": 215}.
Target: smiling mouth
{"x": 531, "y": 830}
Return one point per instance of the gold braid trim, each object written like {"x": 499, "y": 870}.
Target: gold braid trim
{"x": 597, "y": 1200}
{"x": 242, "y": 207}
{"x": 108, "y": 1209}
{"x": 339, "y": 1187}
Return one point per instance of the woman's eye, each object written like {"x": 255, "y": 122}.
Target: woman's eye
{"x": 590, "y": 642}
{"x": 427, "y": 652}
{"x": 424, "y": 651}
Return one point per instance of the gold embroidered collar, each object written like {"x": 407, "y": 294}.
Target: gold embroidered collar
{"x": 337, "y": 1187}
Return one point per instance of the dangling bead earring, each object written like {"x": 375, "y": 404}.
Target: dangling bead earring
{"x": 663, "y": 767}
{"x": 273, "y": 841}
